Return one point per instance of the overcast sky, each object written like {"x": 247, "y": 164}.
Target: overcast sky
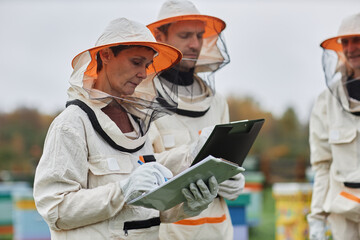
{"x": 273, "y": 46}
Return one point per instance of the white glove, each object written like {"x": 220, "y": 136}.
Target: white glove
{"x": 231, "y": 189}
{"x": 196, "y": 146}
{"x": 316, "y": 229}
{"x": 145, "y": 178}
{"x": 199, "y": 196}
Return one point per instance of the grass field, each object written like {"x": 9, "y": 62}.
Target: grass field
{"x": 266, "y": 229}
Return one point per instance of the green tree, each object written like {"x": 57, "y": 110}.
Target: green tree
{"x": 22, "y": 135}
{"x": 282, "y": 144}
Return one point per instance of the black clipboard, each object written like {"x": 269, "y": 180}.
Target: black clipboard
{"x": 231, "y": 141}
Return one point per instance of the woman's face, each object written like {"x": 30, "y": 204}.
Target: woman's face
{"x": 121, "y": 74}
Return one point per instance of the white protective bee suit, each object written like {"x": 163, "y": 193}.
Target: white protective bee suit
{"x": 335, "y": 145}
{"x": 172, "y": 137}
{"x": 77, "y": 187}
{"x": 175, "y": 138}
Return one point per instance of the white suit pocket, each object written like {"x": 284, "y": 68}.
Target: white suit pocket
{"x": 174, "y": 138}
{"x": 344, "y": 150}
{"x": 107, "y": 169}
{"x": 347, "y": 203}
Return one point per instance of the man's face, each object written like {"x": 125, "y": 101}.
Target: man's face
{"x": 351, "y": 49}
{"x": 187, "y": 36}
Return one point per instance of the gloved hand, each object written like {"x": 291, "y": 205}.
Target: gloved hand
{"x": 231, "y": 189}
{"x": 316, "y": 229}
{"x": 145, "y": 178}
{"x": 197, "y": 145}
{"x": 199, "y": 196}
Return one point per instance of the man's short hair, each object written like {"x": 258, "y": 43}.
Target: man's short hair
{"x": 164, "y": 28}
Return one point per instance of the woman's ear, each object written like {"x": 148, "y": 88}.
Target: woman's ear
{"x": 106, "y": 55}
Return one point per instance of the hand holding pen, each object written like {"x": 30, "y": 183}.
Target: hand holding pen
{"x": 144, "y": 179}
{"x": 141, "y": 161}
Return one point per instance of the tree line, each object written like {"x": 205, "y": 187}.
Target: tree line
{"x": 281, "y": 149}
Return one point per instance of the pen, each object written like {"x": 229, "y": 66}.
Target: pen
{"x": 141, "y": 162}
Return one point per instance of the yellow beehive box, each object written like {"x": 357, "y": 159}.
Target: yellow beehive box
{"x": 292, "y": 204}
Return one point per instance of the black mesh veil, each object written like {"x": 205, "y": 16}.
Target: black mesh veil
{"x": 197, "y": 83}
{"x": 144, "y": 104}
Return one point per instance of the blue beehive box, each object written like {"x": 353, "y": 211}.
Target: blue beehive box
{"x": 28, "y": 224}
{"x": 6, "y": 207}
{"x": 237, "y": 209}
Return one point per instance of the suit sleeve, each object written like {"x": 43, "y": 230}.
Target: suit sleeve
{"x": 321, "y": 158}
{"x": 60, "y": 186}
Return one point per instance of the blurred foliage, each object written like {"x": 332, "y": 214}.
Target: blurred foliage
{"x": 22, "y": 135}
{"x": 281, "y": 147}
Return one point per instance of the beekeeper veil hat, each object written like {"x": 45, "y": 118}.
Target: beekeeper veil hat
{"x": 213, "y": 54}
{"x": 339, "y": 74}
{"x": 122, "y": 31}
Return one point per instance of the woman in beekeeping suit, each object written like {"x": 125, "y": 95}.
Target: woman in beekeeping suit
{"x": 335, "y": 139}
{"x": 89, "y": 169}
